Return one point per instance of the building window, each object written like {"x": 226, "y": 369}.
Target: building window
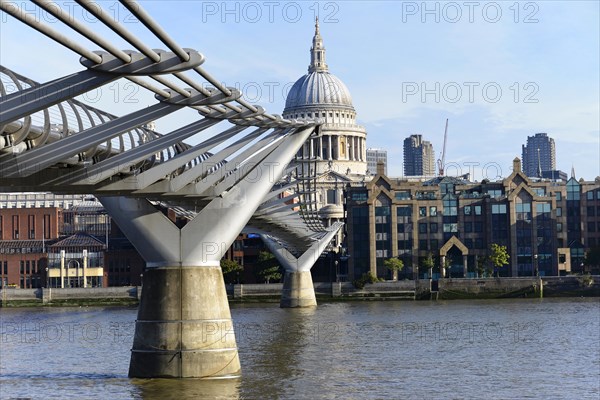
{"x": 498, "y": 208}
{"x": 573, "y": 190}
{"x": 15, "y": 226}
{"x": 331, "y": 196}
{"x": 590, "y": 195}
{"x": 46, "y": 226}
{"x": 558, "y": 196}
{"x": 433, "y": 244}
{"x": 591, "y": 210}
{"x": 402, "y": 195}
{"x": 591, "y": 227}
{"x": 494, "y": 192}
{"x": 422, "y": 211}
{"x": 542, "y": 208}
{"x": 477, "y": 210}
{"x": 450, "y": 207}
{"x": 433, "y": 227}
{"x": 559, "y": 227}
{"x": 524, "y": 208}
{"x": 31, "y": 226}
{"x": 404, "y": 211}
{"x": 450, "y": 228}
{"x": 433, "y": 211}
{"x": 360, "y": 196}
{"x": 467, "y": 210}
{"x": 477, "y": 226}
{"x": 558, "y": 211}
{"x": 422, "y": 228}
{"x": 422, "y": 244}
{"x": 468, "y": 227}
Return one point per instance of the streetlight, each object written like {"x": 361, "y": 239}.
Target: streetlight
{"x": 535, "y": 264}
{"x": 47, "y": 278}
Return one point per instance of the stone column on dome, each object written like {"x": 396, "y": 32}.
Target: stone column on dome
{"x": 321, "y": 147}
{"x": 311, "y": 150}
{"x": 349, "y": 148}
{"x": 330, "y": 151}
{"x": 362, "y": 149}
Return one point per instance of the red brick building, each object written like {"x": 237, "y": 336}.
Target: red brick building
{"x": 24, "y": 236}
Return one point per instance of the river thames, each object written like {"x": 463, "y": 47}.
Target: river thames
{"x": 493, "y": 349}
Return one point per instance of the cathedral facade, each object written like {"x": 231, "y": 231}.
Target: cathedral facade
{"x": 338, "y": 149}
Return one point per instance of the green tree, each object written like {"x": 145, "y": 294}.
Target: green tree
{"x": 447, "y": 264}
{"x": 428, "y": 263}
{"x": 394, "y": 264}
{"x": 498, "y": 256}
{"x": 268, "y": 267}
{"x": 481, "y": 264}
{"x": 230, "y": 269}
{"x": 592, "y": 258}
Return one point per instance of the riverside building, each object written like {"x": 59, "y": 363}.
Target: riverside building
{"x": 547, "y": 226}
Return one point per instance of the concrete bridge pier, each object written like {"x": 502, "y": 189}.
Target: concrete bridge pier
{"x": 298, "y": 289}
{"x": 184, "y": 327}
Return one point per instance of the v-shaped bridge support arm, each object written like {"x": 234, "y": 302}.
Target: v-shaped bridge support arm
{"x": 298, "y": 289}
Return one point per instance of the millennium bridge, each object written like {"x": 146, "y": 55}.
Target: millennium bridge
{"x": 241, "y": 174}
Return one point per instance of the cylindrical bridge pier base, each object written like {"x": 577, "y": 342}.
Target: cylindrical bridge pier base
{"x": 298, "y": 290}
{"x": 184, "y": 327}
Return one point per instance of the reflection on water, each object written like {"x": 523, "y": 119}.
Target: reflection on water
{"x": 178, "y": 389}
{"x": 413, "y": 350}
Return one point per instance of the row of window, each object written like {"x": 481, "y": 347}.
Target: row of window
{"x": 30, "y": 233}
{"x": 323, "y": 115}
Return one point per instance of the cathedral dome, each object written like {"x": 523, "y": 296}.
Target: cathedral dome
{"x": 318, "y": 89}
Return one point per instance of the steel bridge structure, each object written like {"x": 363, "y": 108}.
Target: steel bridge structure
{"x": 236, "y": 175}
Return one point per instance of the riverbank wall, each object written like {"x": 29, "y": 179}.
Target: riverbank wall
{"x": 423, "y": 289}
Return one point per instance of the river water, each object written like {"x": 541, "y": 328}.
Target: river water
{"x": 496, "y": 349}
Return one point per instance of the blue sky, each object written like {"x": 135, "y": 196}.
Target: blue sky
{"x": 500, "y": 71}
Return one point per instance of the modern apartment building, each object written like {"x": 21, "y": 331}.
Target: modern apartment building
{"x": 539, "y": 155}
{"x": 547, "y": 226}
{"x": 419, "y": 159}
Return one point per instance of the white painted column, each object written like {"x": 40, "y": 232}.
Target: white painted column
{"x": 62, "y": 269}
{"x": 85, "y": 261}
{"x": 330, "y": 150}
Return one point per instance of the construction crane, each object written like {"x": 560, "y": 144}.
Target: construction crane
{"x": 441, "y": 161}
